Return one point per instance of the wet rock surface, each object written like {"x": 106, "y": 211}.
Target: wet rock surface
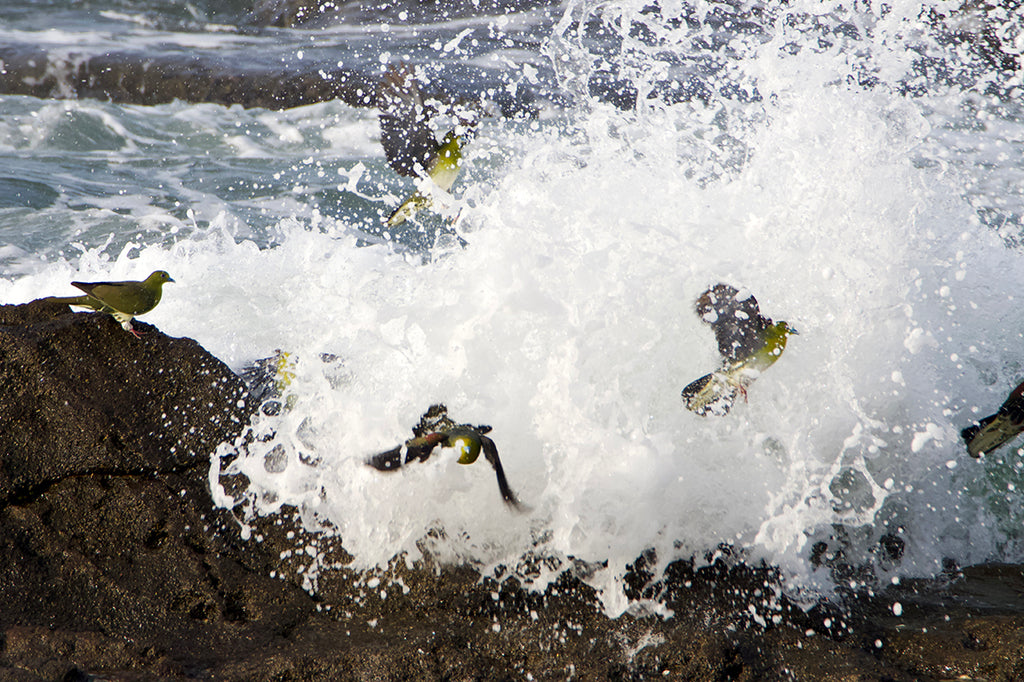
{"x": 115, "y": 564}
{"x": 983, "y": 30}
{"x": 150, "y": 79}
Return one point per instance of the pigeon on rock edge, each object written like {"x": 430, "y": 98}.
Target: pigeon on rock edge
{"x": 123, "y": 300}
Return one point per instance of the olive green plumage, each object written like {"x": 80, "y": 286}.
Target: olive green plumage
{"x": 123, "y": 300}
{"x": 997, "y": 429}
{"x": 409, "y": 143}
{"x": 748, "y": 342}
{"x": 437, "y": 429}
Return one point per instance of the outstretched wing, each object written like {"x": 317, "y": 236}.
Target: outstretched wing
{"x": 735, "y": 318}
{"x": 990, "y": 433}
{"x": 997, "y": 429}
{"x": 491, "y": 453}
{"x": 419, "y": 448}
{"x": 409, "y": 143}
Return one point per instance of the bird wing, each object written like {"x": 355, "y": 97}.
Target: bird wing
{"x": 131, "y": 298}
{"x": 735, "y": 318}
{"x": 409, "y": 143}
{"x": 997, "y": 429}
{"x": 990, "y": 433}
{"x": 491, "y": 453}
{"x": 421, "y": 448}
{"x": 1013, "y": 406}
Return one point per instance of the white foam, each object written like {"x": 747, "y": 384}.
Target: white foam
{"x": 567, "y": 324}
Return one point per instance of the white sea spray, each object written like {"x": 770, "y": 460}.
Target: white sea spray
{"x": 566, "y": 322}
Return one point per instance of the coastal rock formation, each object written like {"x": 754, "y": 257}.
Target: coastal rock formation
{"x": 987, "y": 34}
{"x": 115, "y": 564}
{"x": 150, "y": 79}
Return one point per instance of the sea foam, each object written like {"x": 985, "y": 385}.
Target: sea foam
{"x": 566, "y": 323}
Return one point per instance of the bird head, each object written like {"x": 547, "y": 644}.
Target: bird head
{"x": 454, "y": 141}
{"x": 775, "y": 339}
{"x": 158, "y": 278}
{"x": 466, "y": 443}
{"x": 454, "y": 136}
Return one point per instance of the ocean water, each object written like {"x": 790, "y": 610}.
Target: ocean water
{"x": 854, "y": 167}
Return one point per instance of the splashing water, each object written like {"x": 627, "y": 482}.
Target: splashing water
{"x": 797, "y": 151}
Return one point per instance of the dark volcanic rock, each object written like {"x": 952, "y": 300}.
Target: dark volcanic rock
{"x": 80, "y": 396}
{"x": 151, "y": 79}
{"x": 157, "y": 79}
{"x": 115, "y": 565}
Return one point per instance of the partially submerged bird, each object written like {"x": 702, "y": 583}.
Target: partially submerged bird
{"x": 748, "y": 342}
{"x": 409, "y": 143}
{"x": 997, "y": 429}
{"x": 436, "y": 428}
{"x": 123, "y": 300}
{"x": 268, "y": 380}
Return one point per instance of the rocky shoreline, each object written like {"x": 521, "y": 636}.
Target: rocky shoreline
{"x": 198, "y": 76}
{"x": 116, "y": 565}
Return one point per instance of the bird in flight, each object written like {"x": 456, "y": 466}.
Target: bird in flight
{"x": 436, "y": 428}
{"x": 409, "y": 143}
{"x": 748, "y": 342}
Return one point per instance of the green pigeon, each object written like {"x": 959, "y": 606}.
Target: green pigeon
{"x": 409, "y": 143}
{"x": 748, "y": 342}
{"x": 123, "y": 300}
{"x": 997, "y": 429}
{"x": 436, "y": 428}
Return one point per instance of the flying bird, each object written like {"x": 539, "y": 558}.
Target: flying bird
{"x": 999, "y": 428}
{"x": 748, "y": 342}
{"x": 123, "y": 300}
{"x": 409, "y": 143}
{"x": 436, "y": 428}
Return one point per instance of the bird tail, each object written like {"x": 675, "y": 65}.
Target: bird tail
{"x": 711, "y": 394}
{"x": 408, "y": 209}
{"x": 80, "y": 301}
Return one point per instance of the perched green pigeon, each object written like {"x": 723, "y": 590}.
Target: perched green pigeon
{"x": 123, "y": 300}
{"x": 409, "y": 143}
{"x": 749, "y": 343}
{"x": 999, "y": 428}
{"x": 436, "y": 428}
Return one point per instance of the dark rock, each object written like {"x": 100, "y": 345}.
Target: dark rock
{"x": 149, "y": 79}
{"x": 159, "y": 78}
{"x": 81, "y": 396}
{"x": 320, "y": 13}
{"x": 115, "y": 564}
{"x": 291, "y": 13}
